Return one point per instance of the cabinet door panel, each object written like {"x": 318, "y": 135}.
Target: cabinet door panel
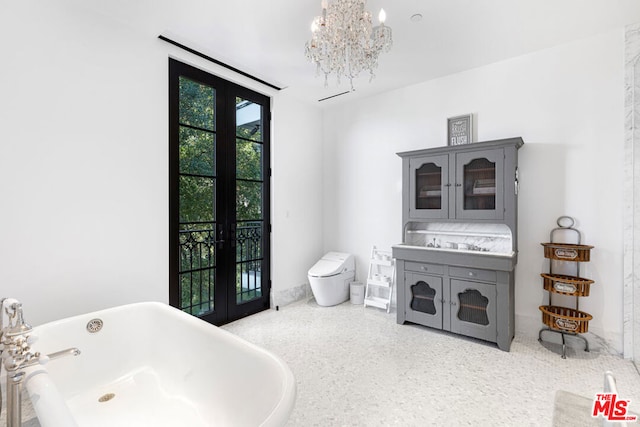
{"x": 423, "y": 299}
{"x": 473, "y": 309}
{"x": 429, "y": 187}
{"x": 479, "y": 185}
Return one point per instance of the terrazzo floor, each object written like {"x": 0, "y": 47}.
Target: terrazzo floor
{"x": 356, "y": 366}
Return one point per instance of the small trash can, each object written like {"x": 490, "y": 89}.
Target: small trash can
{"x": 356, "y": 292}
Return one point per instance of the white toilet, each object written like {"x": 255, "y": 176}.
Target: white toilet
{"x": 330, "y": 277}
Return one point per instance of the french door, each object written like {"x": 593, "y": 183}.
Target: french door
{"x": 218, "y": 196}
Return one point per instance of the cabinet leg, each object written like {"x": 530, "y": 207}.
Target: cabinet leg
{"x": 504, "y": 343}
{"x": 400, "y": 316}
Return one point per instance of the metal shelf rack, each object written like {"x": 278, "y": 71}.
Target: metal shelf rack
{"x": 564, "y": 256}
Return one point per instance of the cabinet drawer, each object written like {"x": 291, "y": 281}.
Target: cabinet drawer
{"x": 473, "y": 273}
{"x": 422, "y": 267}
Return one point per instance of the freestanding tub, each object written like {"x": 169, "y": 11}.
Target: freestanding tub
{"x": 153, "y": 365}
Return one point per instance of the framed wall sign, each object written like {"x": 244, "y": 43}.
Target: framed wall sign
{"x": 460, "y": 130}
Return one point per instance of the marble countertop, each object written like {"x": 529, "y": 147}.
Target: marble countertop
{"x": 480, "y": 253}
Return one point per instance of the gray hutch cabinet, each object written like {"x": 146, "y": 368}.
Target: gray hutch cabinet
{"x": 456, "y": 263}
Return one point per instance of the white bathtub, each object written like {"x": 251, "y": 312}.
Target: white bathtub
{"x": 161, "y": 367}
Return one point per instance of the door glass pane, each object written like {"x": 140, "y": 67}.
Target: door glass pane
{"x": 248, "y": 159}
{"x": 248, "y": 120}
{"x": 197, "y": 243}
{"x": 196, "y": 194}
{"x": 429, "y": 187}
{"x": 197, "y": 152}
{"x": 197, "y": 104}
{"x": 473, "y": 307}
{"x": 249, "y": 200}
{"x": 423, "y": 297}
{"x": 249, "y": 259}
{"x": 197, "y": 199}
{"x": 479, "y": 185}
{"x": 197, "y": 268}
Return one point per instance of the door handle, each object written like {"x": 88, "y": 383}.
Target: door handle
{"x": 220, "y": 236}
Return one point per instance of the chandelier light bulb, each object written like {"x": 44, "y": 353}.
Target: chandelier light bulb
{"x": 382, "y": 16}
{"x": 324, "y": 4}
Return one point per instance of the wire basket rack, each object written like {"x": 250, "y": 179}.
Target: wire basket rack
{"x": 557, "y": 318}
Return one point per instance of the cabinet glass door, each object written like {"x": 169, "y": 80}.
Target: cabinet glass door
{"x": 429, "y": 187}
{"x": 479, "y": 185}
{"x": 424, "y": 299}
{"x": 473, "y": 309}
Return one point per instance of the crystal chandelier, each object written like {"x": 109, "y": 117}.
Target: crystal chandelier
{"x": 343, "y": 41}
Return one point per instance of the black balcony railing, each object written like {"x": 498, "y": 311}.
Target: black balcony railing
{"x": 197, "y": 250}
{"x": 249, "y": 259}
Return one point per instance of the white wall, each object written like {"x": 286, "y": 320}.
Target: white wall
{"x": 296, "y": 197}
{"x": 83, "y": 164}
{"x": 567, "y": 103}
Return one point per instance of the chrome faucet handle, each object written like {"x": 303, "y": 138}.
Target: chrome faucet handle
{"x": 10, "y": 310}
{"x": 17, "y": 352}
{"x": 19, "y": 327}
{"x": 21, "y": 316}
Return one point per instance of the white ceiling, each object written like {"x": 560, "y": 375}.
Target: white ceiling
{"x": 266, "y": 38}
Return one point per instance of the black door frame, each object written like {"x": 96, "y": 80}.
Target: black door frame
{"x": 225, "y": 307}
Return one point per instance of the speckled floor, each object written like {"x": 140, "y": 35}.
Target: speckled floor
{"x": 355, "y": 366}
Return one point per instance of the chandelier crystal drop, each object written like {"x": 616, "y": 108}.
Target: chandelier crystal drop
{"x": 344, "y": 42}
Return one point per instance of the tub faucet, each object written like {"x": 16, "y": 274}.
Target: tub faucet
{"x": 16, "y": 355}
{"x": 16, "y": 339}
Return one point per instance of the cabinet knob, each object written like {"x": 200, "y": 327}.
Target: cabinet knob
{"x": 458, "y": 185}
{"x": 425, "y": 268}
{"x": 453, "y": 303}
{"x": 472, "y": 274}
